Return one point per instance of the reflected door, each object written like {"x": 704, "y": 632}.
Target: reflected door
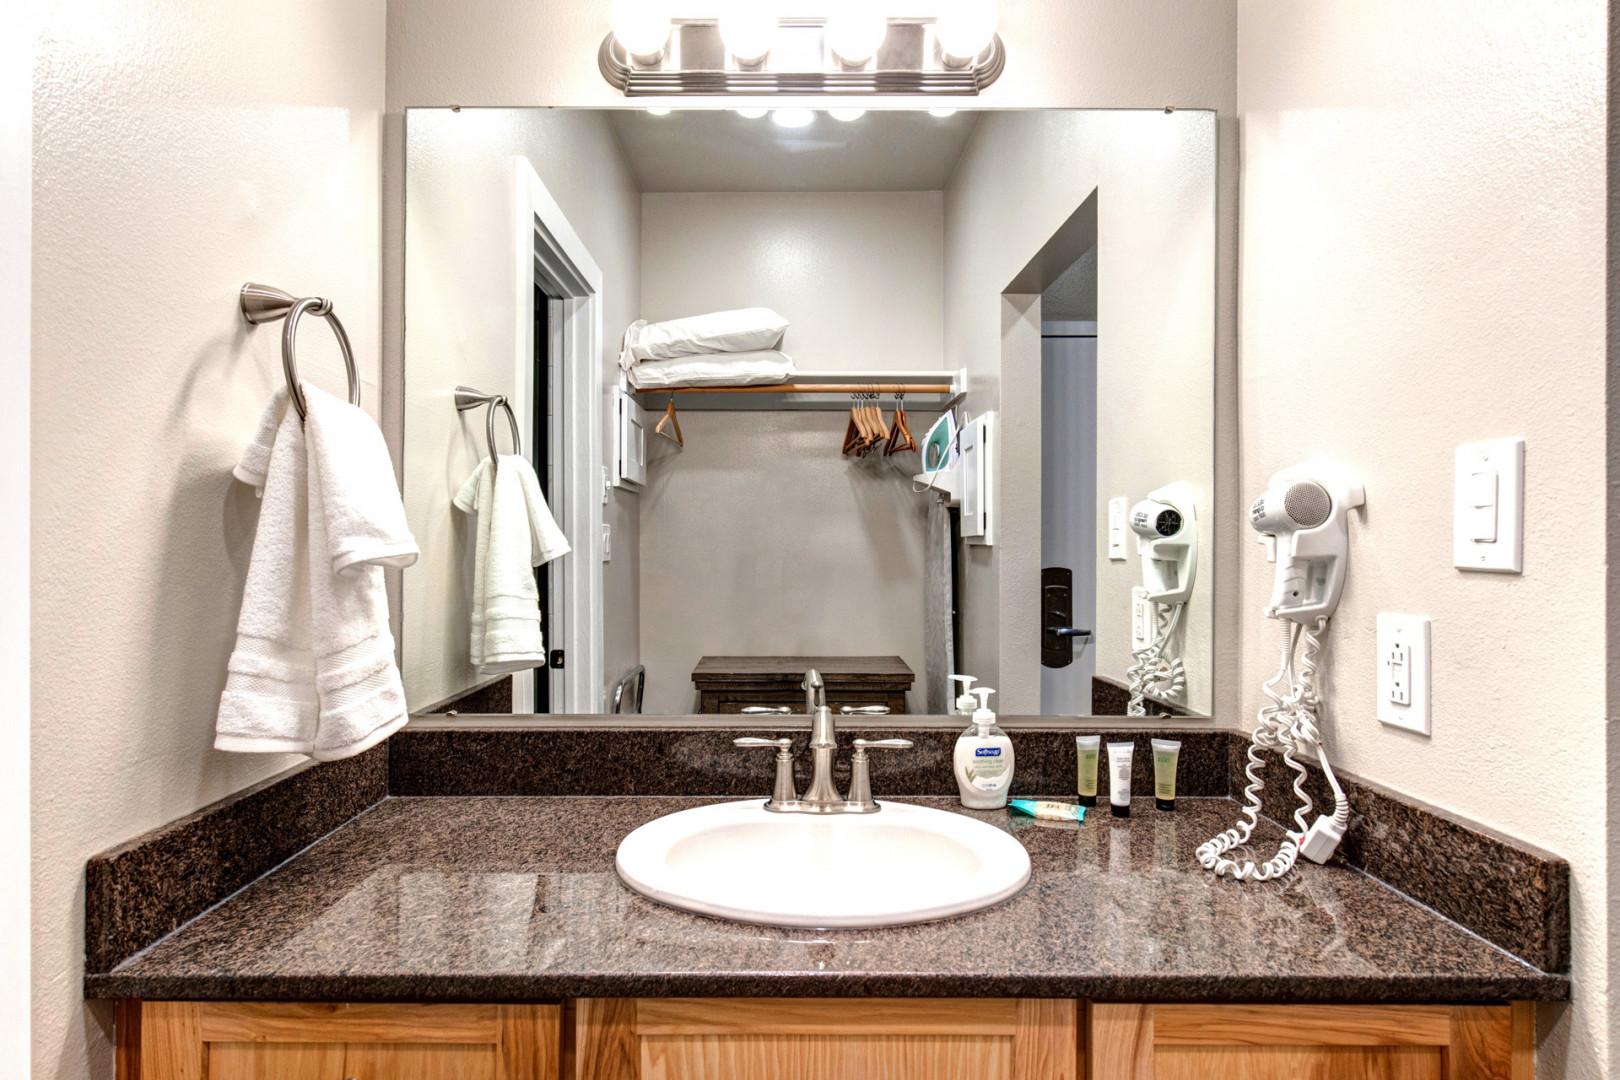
{"x": 1069, "y": 502}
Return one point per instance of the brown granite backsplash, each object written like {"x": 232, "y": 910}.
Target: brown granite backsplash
{"x": 702, "y": 761}
{"x": 1510, "y": 893}
{"x": 142, "y": 889}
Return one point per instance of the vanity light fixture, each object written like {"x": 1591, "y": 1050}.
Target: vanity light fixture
{"x": 641, "y": 27}
{"x": 752, "y": 112}
{"x": 658, "y": 110}
{"x": 965, "y": 29}
{"x": 749, "y": 28}
{"x": 793, "y": 117}
{"x": 855, "y": 32}
{"x": 751, "y": 48}
{"x": 846, "y": 114}
{"x": 942, "y": 111}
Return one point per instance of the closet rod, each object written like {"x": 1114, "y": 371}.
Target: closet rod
{"x": 805, "y": 388}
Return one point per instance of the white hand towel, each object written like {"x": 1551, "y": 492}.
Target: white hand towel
{"x": 313, "y": 671}
{"x": 516, "y": 533}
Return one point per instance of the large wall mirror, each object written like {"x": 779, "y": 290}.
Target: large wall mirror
{"x": 901, "y": 395}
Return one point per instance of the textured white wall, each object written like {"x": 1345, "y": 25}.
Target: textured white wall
{"x": 179, "y": 150}
{"x": 823, "y": 554}
{"x": 1021, "y": 177}
{"x": 459, "y": 289}
{"x": 16, "y": 206}
{"x": 1423, "y": 264}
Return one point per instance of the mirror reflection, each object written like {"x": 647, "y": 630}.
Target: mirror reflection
{"x": 696, "y": 401}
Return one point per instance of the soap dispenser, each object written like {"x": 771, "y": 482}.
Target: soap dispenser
{"x": 964, "y": 701}
{"x": 983, "y": 759}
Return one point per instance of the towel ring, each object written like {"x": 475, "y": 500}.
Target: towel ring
{"x": 468, "y": 398}
{"x": 264, "y": 303}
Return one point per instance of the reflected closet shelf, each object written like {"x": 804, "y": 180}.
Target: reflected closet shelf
{"x": 925, "y": 391}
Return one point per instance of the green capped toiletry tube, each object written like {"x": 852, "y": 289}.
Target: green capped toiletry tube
{"x": 1087, "y": 749}
{"x": 1166, "y": 756}
{"x": 1048, "y": 810}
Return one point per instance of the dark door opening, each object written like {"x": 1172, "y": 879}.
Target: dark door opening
{"x": 541, "y": 442}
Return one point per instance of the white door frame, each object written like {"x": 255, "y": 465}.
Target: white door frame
{"x": 548, "y": 252}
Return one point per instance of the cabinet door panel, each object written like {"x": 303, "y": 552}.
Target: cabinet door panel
{"x": 405, "y": 1061}
{"x": 1297, "y": 1063}
{"x": 275, "y": 1061}
{"x": 818, "y": 1057}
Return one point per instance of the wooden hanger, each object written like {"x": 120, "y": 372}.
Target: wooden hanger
{"x": 900, "y": 440}
{"x": 669, "y": 425}
{"x": 855, "y": 433}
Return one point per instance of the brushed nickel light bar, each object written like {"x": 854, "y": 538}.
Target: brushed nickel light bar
{"x": 801, "y": 59}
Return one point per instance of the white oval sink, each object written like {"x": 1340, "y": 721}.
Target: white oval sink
{"x": 904, "y": 864}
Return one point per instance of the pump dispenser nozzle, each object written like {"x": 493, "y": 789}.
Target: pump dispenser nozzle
{"x": 964, "y": 700}
{"x": 982, "y": 714}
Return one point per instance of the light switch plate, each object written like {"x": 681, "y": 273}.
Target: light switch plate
{"x": 1116, "y": 528}
{"x": 1487, "y": 531}
{"x": 607, "y": 542}
{"x": 1403, "y": 671}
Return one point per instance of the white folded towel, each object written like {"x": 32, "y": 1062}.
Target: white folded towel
{"x": 516, "y": 533}
{"x": 313, "y": 671}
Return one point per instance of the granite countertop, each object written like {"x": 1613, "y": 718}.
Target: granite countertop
{"x": 515, "y": 898}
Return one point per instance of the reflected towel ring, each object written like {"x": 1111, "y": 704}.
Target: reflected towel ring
{"x": 264, "y": 303}
{"x": 468, "y": 398}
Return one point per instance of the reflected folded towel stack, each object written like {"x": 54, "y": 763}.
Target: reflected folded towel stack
{"x": 516, "y": 533}
{"x": 313, "y": 670}
{"x": 723, "y": 348}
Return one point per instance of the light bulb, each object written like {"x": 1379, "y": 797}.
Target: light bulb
{"x": 658, "y": 110}
{"x": 964, "y": 28}
{"x": 846, "y": 114}
{"x": 855, "y": 31}
{"x": 752, "y": 112}
{"x": 748, "y": 28}
{"x": 942, "y": 111}
{"x": 641, "y": 26}
{"x": 793, "y": 118}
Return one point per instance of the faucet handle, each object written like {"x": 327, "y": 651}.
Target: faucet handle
{"x": 860, "y": 773}
{"x": 752, "y": 742}
{"x": 782, "y": 791}
{"x": 865, "y": 710}
{"x": 863, "y": 745}
{"x": 766, "y": 710}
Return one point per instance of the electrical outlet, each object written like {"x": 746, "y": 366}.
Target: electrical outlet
{"x": 1141, "y": 619}
{"x": 1403, "y": 671}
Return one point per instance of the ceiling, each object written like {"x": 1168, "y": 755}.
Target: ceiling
{"x": 718, "y": 150}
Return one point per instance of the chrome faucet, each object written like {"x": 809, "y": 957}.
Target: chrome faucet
{"x": 823, "y": 797}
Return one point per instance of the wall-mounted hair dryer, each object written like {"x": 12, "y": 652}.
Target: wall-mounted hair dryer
{"x": 1303, "y": 520}
{"x": 1166, "y": 527}
{"x": 1303, "y": 517}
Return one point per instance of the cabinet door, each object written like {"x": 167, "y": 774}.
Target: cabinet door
{"x": 221, "y": 1041}
{"x": 1325, "y": 1042}
{"x": 826, "y": 1039}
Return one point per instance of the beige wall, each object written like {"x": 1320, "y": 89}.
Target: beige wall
{"x": 1020, "y": 178}
{"x": 815, "y": 553}
{"x": 1423, "y": 264}
{"x": 459, "y": 243}
{"x": 180, "y": 150}
{"x": 16, "y": 226}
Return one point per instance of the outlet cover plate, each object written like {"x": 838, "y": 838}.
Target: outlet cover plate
{"x": 1403, "y": 671}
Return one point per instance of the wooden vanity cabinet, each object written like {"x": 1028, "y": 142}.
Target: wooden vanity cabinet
{"x": 206, "y": 1040}
{"x": 823, "y": 1039}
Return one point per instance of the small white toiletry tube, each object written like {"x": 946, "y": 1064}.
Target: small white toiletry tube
{"x": 1047, "y": 809}
{"x": 1119, "y": 778}
{"x": 1166, "y": 757}
{"x": 983, "y": 760}
{"x": 964, "y": 701}
{"x": 1087, "y": 748}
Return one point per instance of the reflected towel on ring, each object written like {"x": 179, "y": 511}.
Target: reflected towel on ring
{"x": 516, "y": 533}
